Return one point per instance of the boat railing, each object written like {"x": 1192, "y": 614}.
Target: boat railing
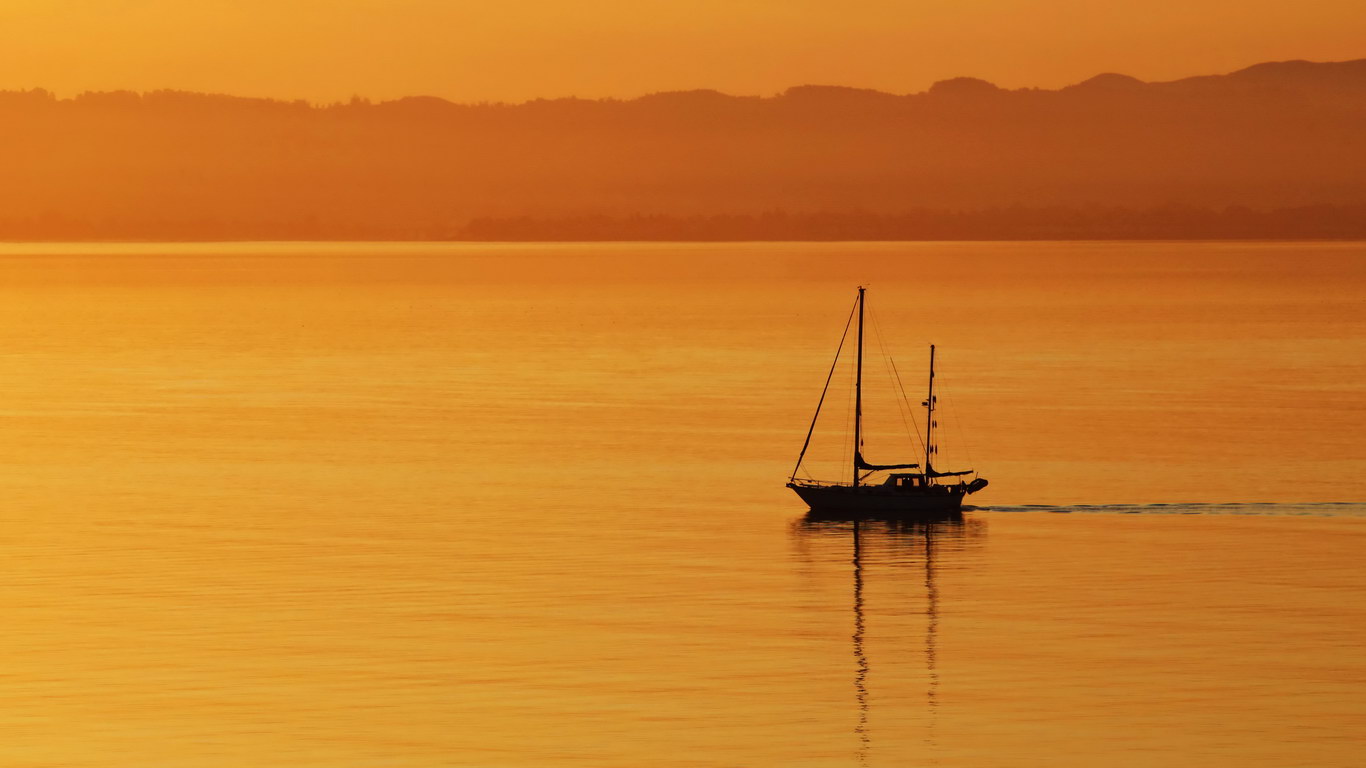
{"x": 815, "y": 483}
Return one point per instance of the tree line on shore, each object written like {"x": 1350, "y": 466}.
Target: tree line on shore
{"x": 1169, "y": 222}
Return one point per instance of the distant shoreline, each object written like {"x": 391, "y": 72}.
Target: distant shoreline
{"x": 1017, "y": 223}
{"x": 623, "y": 241}
{"x": 1271, "y": 152}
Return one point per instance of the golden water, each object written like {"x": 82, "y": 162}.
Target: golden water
{"x": 431, "y": 505}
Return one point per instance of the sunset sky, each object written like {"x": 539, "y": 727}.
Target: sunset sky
{"x": 521, "y": 49}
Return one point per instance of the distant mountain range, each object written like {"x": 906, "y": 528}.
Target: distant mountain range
{"x": 1273, "y": 150}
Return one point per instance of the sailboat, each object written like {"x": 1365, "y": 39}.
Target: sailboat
{"x": 923, "y": 493}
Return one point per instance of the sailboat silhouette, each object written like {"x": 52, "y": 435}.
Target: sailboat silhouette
{"x": 924, "y": 494}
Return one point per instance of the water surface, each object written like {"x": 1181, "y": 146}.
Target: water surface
{"x": 462, "y": 505}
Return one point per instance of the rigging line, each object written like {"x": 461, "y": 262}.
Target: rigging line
{"x": 902, "y": 387}
{"x": 958, "y": 424}
{"x": 905, "y": 401}
{"x": 821, "y": 402}
{"x": 904, "y": 410}
{"x": 962, "y": 433}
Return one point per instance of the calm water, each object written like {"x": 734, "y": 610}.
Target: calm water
{"x": 418, "y": 505}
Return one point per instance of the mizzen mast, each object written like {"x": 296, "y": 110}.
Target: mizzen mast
{"x": 929, "y": 421}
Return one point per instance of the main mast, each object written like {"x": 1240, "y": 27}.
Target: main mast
{"x": 858, "y": 390}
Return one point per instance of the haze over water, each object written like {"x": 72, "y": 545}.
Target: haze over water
{"x": 471, "y": 505}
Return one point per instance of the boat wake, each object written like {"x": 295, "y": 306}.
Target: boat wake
{"x": 1316, "y": 509}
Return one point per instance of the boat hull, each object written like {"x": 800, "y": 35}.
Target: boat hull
{"x": 881, "y": 500}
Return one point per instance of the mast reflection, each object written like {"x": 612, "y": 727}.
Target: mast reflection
{"x": 860, "y": 657}
{"x": 900, "y": 544}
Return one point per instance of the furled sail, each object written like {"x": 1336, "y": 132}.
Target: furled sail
{"x": 861, "y": 464}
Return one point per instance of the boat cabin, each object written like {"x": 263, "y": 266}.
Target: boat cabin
{"x": 905, "y": 480}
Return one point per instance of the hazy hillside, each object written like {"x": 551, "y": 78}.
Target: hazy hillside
{"x": 183, "y": 165}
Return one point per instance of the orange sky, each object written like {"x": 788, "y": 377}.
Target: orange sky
{"x": 326, "y": 50}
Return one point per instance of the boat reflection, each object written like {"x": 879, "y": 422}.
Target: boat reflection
{"x": 889, "y": 546}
